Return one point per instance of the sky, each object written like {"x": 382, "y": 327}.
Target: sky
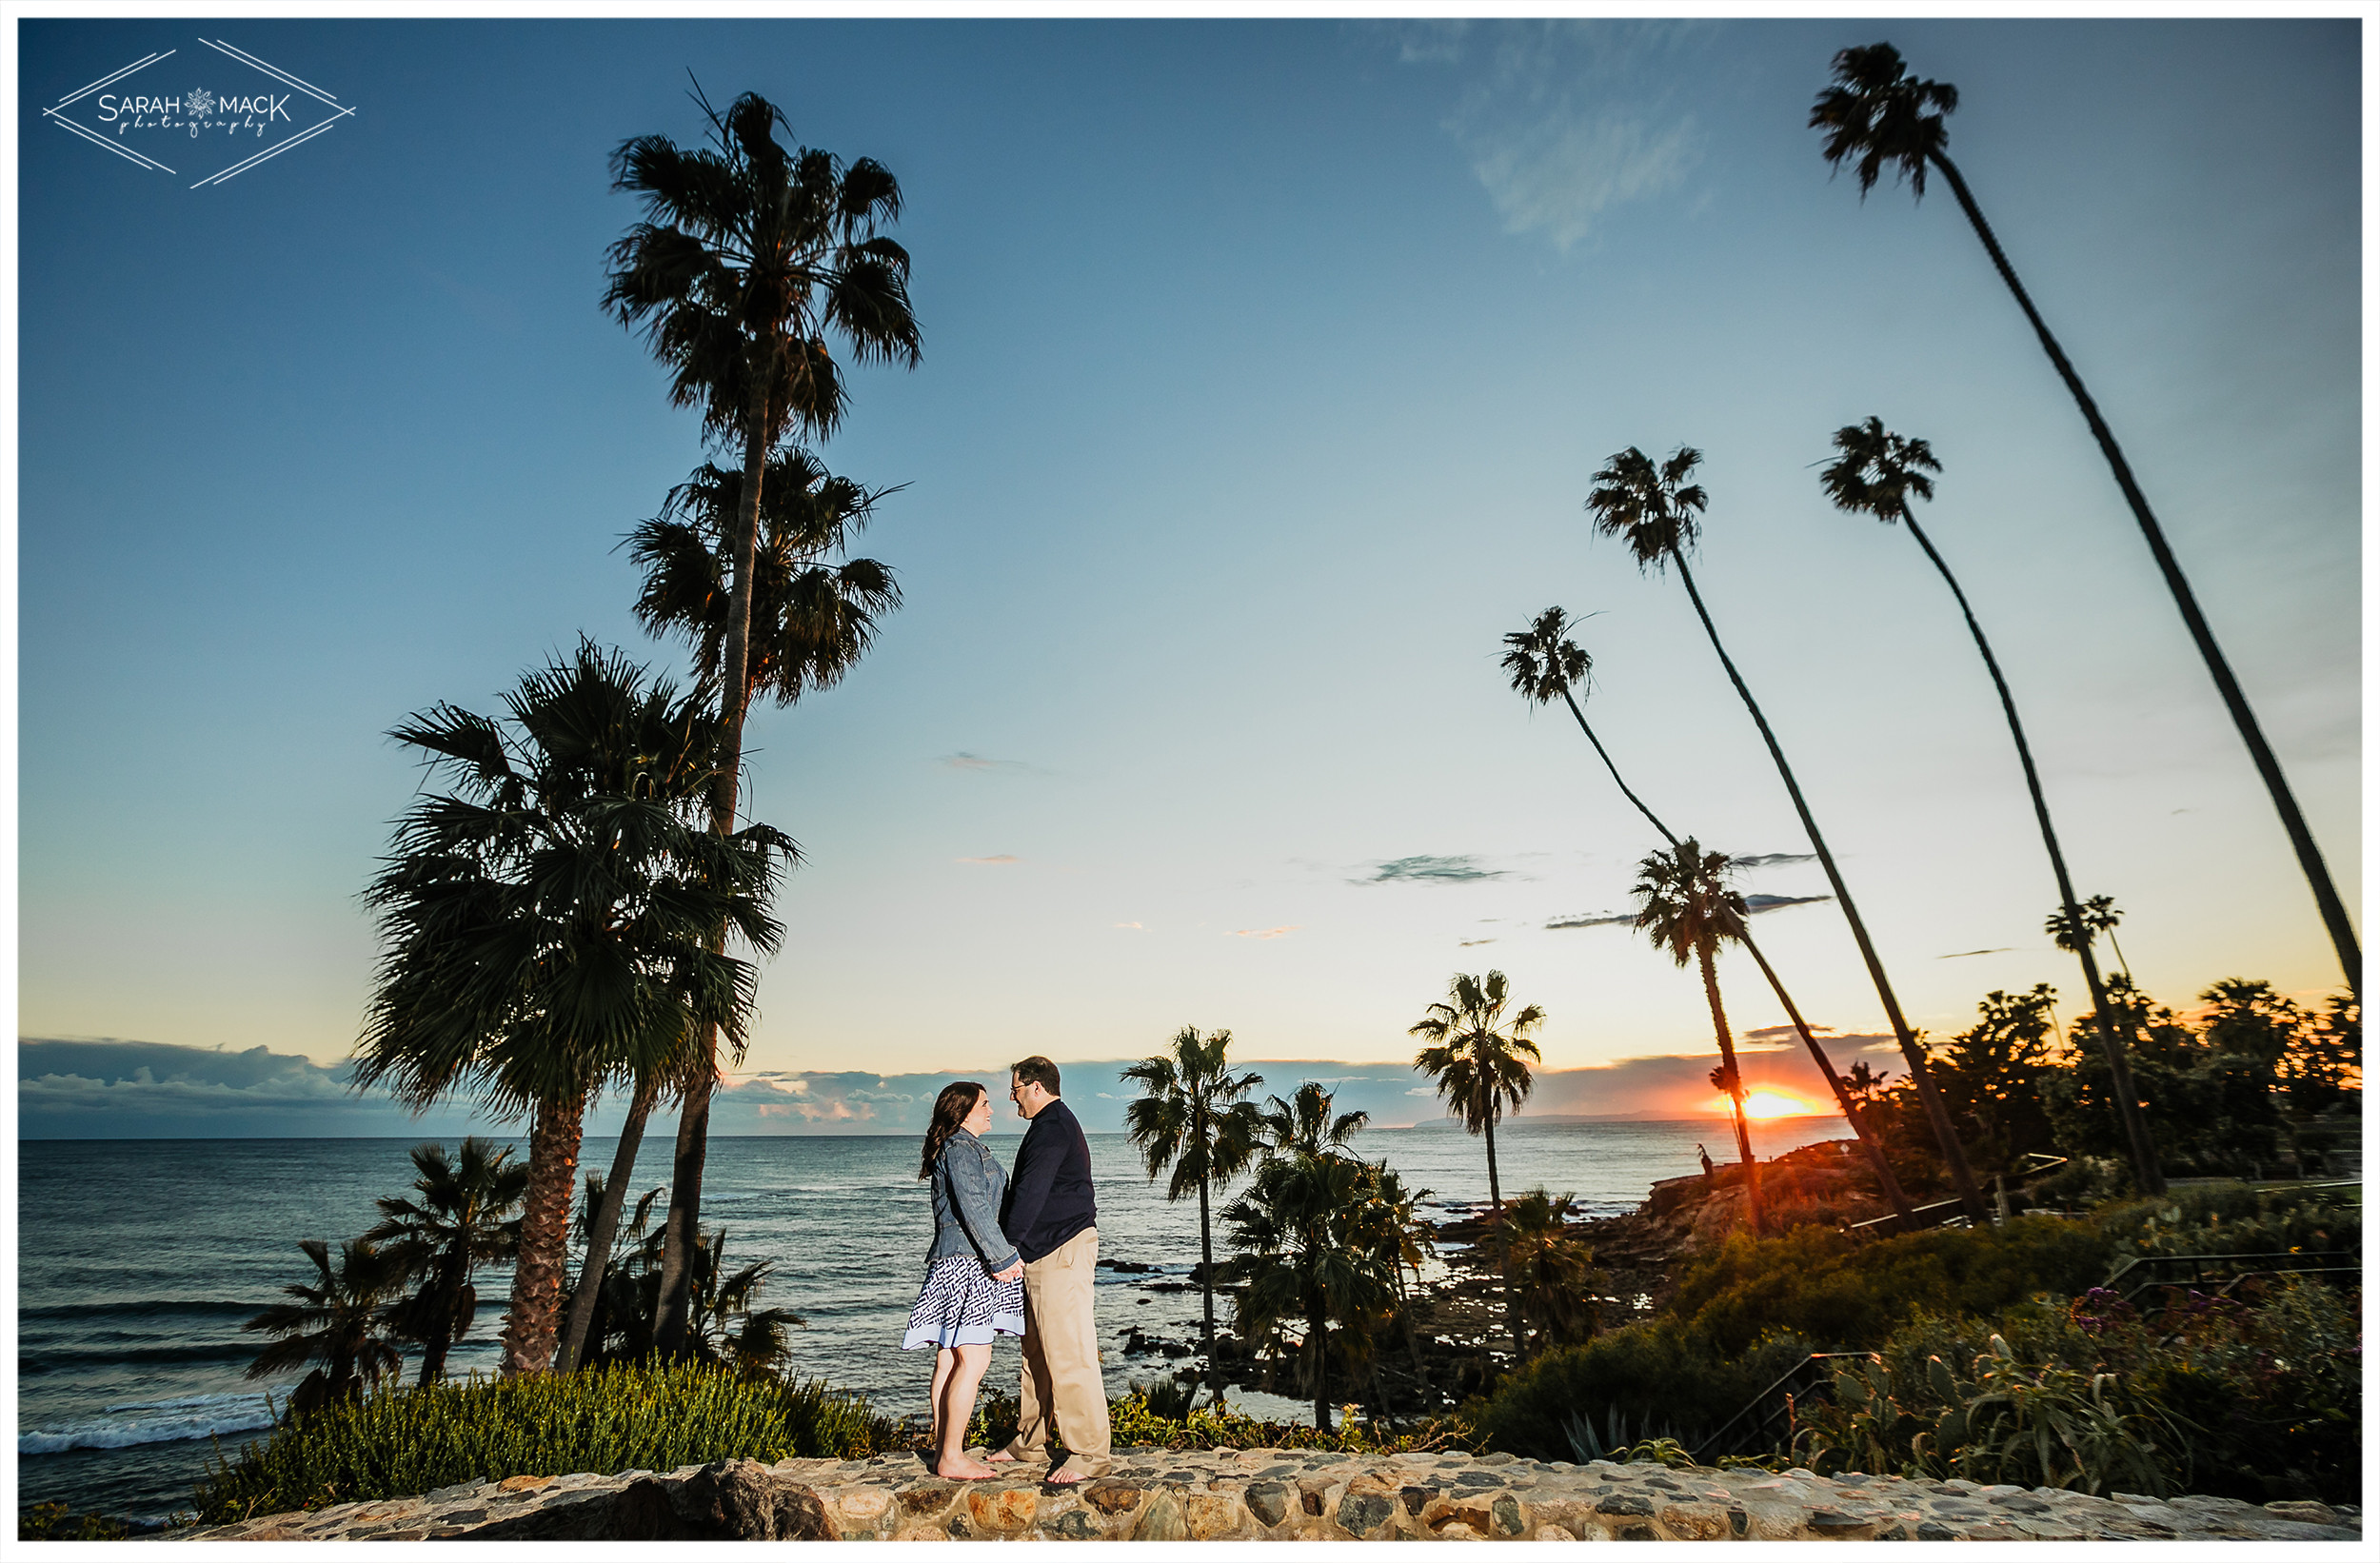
{"x": 1266, "y": 366}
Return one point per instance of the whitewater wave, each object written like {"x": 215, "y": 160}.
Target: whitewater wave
{"x": 153, "y": 1422}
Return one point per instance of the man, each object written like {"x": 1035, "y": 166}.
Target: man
{"x": 1050, "y": 1217}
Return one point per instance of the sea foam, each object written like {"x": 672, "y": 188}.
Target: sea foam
{"x": 153, "y": 1422}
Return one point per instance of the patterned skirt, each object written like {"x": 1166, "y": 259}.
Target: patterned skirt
{"x": 962, "y": 1305}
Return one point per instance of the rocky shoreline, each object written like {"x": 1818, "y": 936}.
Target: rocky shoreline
{"x": 1155, "y": 1495}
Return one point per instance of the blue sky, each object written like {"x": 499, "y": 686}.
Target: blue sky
{"x": 1266, "y": 366}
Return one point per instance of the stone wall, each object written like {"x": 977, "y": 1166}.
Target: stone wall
{"x": 1233, "y": 1495}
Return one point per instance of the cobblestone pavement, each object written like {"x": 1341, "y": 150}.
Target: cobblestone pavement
{"x": 1217, "y": 1494}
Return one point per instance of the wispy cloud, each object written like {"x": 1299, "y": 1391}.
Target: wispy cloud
{"x": 1592, "y": 920}
{"x": 1464, "y": 868}
{"x": 1562, "y": 120}
{"x": 1961, "y": 955}
{"x": 1770, "y": 859}
{"x": 1263, "y": 933}
{"x": 1756, "y": 904}
{"x": 994, "y": 859}
{"x": 964, "y": 761}
{"x": 1135, "y": 927}
{"x": 1467, "y": 943}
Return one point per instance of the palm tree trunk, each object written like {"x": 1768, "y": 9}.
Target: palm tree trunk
{"x": 528, "y": 1337}
{"x": 1734, "y": 1084}
{"x": 2308, "y": 856}
{"x": 2111, "y": 1046}
{"x": 1938, "y": 1111}
{"x": 1206, "y": 1293}
{"x": 1868, "y": 1142}
{"x": 685, "y": 1184}
{"x": 1317, "y": 1355}
{"x": 1503, "y": 1244}
{"x": 606, "y": 1228}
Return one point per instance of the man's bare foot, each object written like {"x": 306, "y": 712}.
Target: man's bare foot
{"x": 1067, "y": 1475}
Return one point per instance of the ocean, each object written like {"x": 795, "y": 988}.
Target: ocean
{"x": 138, "y": 1261}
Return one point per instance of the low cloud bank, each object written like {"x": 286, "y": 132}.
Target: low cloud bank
{"x": 130, "y": 1090}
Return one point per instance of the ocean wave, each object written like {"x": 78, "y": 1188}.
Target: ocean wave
{"x": 143, "y": 1308}
{"x": 47, "y": 1360}
{"x": 153, "y": 1422}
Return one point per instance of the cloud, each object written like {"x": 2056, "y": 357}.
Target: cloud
{"x": 994, "y": 859}
{"x": 1263, "y": 933}
{"x": 1133, "y": 925}
{"x": 1756, "y": 904}
{"x": 1462, "y": 869}
{"x": 107, "y": 1088}
{"x": 963, "y": 761}
{"x": 1961, "y": 955}
{"x": 1468, "y": 944}
{"x": 1563, "y": 120}
{"x": 1770, "y": 859}
{"x": 1592, "y": 920}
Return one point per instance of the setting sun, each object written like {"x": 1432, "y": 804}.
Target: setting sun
{"x": 1768, "y": 1104}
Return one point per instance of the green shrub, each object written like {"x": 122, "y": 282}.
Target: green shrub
{"x": 1847, "y": 1294}
{"x": 1658, "y": 1375}
{"x": 56, "y": 1522}
{"x": 2233, "y": 1218}
{"x": 620, "y": 1417}
{"x": 1149, "y": 1420}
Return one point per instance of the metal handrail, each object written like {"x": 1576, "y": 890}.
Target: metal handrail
{"x": 1760, "y": 1414}
{"x": 2319, "y": 1261}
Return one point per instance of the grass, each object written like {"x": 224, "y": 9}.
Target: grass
{"x": 400, "y": 1442}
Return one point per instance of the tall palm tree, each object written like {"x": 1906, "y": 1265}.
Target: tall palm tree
{"x": 810, "y": 619}
{"x": 1876, "y": 113}
{"x": 749, "y": 256}
{"x": 340, "y": 1323}
{"x": 1192, "y": 1115}
{"x": 1299, "y": 1232}
{"x": 463, "y": 1218}
{"x": 551, "y": 925}
{"x": 1480, "y": 1062}
{"x": 1553, "y": 1266}
{"x": 1543, "y": 662}
{"x": 1877, "y": 473}
{"x": 1655, "y": 510}
{"x": 2099, "y": 915}
{"x": 1686, "y": 906}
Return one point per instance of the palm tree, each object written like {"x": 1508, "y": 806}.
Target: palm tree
{"x": 1396, "y": 1233}
{"x": 1655, "y": 510}
{"x": 1551, "y": 1266}
{"x": 1480, "y": 1062}
{"x": 1877, "y": 473}
{"x": 1192, "y": 1115}
{"x": 340, "y": 1323}
{"x": 1299, "y": 1232}
{"x": 1686, "y": 906}
{"x": 552, "y": 923}
{"x": 810, "y": 620}
{"x": 1876, "y": 113}
{"x": 749, "y": 256}
{"x": 462, "y": 1219}
{"x": 1543, "y": 662}
{"x": 2099, "y": 915}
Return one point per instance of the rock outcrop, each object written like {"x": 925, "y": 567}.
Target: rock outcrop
{"x": 1264, "y": 1494}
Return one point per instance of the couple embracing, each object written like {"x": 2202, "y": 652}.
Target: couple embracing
{"x": 1013, "y": 1256}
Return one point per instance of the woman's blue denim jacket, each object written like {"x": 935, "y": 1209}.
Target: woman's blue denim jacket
{"x": 968, "y": 1184}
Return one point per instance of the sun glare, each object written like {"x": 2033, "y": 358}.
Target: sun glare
{"x": 1768, "y": 1104}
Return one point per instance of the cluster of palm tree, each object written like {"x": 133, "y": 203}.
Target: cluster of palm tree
{"x": 582, "y": 909}
{"x": 1321, "y": 1238}
{"x": 352, "y": 1323}
{"x": 1877, "y": 117}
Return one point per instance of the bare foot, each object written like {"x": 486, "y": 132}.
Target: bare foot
{"x": 1066, "y": 1475}
{"x": 963, "y": 1469}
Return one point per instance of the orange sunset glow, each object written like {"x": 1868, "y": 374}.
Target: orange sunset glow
{"x": 1766, "y": 1104}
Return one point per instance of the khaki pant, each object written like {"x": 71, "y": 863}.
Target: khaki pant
{"x": 1061, "y": 1379}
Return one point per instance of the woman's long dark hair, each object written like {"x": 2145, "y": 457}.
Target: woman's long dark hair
{"x": 951, "y": 1111}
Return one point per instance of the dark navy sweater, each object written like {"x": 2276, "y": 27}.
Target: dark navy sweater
{"x": 1049, "y": 1196}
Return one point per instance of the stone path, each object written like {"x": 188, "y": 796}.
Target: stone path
{"x": 1218, "y": 1495}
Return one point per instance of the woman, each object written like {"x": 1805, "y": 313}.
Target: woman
{"x": 973, "y": 1275}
